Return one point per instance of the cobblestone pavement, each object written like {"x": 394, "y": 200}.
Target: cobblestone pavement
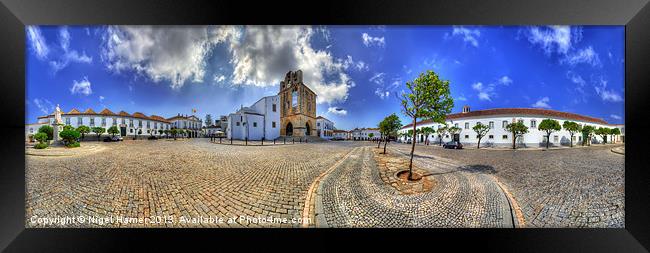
{"x": 173, "y": 179}
{"x": 557, "y": 188}
{"x": 354, "y": 195}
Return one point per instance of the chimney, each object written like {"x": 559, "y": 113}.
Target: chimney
{"x": 465, "y": 109}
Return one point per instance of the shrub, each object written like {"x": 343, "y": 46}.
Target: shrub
{"x": 73, "y": 144}
{"x": 47, "y": 130}
{"x": 40, "y": 145}
{"x": 69, "y": 136}
{"x": 41, "y": 137}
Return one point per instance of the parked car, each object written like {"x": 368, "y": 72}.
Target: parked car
{"x": 453, "y": 145}
{"x": 113, "y": 138}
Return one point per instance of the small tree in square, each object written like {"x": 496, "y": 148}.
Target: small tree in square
{"x": 113, "y": 131}
{"x": 587, "y": 132}
{"x": 549, "y": 126}
{"x": 602, "y": 132}
{"x": 389, "y": 127}
{"x": 47, "y": 130}
{"x": 42, "y": 140}
{"x": 572, "y": 128}
{"x": 481, "y": 130}
{"x": 70, "y": 137}
{"x": 428, "y": 97}
{"x": 442, "y": 131}
{"x": 83, "y": 130}
{"x": 426, "y": 131}
{"x": 99, "y": 131}
{"x": 370, "y": 135}
{"x": 615, "y": 131}
{"x": 518, "y": 129}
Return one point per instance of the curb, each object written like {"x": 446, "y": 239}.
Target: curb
{"x": 517, "y": 216}
{"x": 616, "y": 151}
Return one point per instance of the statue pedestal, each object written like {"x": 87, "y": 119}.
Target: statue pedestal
{"x": 57, "y": 128}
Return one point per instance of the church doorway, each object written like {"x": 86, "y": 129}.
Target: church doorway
{"x": 289, "y": 129}
{"x": 307, "y": 130}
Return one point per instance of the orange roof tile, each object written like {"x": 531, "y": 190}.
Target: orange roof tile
{"x": 107, "y": 112}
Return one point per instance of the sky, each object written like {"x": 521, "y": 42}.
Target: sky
{"x": 357, "y": 72}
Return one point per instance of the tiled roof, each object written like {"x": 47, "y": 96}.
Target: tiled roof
{"x": 519, "y": 111}
{"x": 74, "y": 111}
{"x": 89, "y": 111}
{"x": 125, "y": 114}
{"x": 107, "y": 112}
{"x": 140, "y": 115}
{"x": 340, "y": 131}
{"x": 158, "y": 118}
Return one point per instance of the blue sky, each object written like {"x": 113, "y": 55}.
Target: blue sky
{"x": 356, "y": 71}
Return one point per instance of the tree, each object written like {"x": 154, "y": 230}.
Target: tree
{"x": 587, "y": 131}
{"x": 518, "y": 129}
{"x": 113, "y": 131}
{"x": 389, "y": 127}
{"x": 67, "y": 127}
{"x": 442, "y": 131}
{"x": 428, "y": 97}
{"x": 481, "y": 130}
{"x": 572, "y": 128}
{"x": 69, "y": 136}
{"x": 174, "y": 132}
{"x": 208, "y": 120}
{"x": 370, "y": 135}
{"x": 549, "y": 126}
{"x": 426, "y": 131}
{"x": 453, "y": 131}
{"x": 99, "y": 131}
{"x": 83, "y": 130}
{"x": 615, "y": 131}
{"x": 166, "y": 131}
{"x": 47, "y": 130}
{"x": 602, "y": 132}
{"x": 160, "y": 131}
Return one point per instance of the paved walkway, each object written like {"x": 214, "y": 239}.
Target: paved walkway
{"x": 354, "y": 195}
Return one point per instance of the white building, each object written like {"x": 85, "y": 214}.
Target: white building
{"x": 497, "y": 119}
{"x": 257, "y": 122}
{"x": 364, "y": 133}
{"x": 191, "y": 124}
{"x": 342, "y": 135}
{"x": 324, "y": 128}
{"x": 127, "y": 124}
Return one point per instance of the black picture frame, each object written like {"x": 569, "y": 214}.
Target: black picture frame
{"x": 15, "y": 14}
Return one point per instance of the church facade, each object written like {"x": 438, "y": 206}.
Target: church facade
{"x": 298, "y": 106}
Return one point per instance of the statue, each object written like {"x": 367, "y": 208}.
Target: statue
{"x": 57, "y": 115}
{"x": 58, "y": 124}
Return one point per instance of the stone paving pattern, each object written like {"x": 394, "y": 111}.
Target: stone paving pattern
{"x": 582, "y": 187}
{"x": 354, "y": 195}
{"x": 184, "y": 178}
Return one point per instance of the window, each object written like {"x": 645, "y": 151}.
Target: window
{"x": 273, "y": 124}
{"x": 31, "y": 130}
{"x": 123, "y": 121}
{"x": 491, "y": 124}
{"x": 237, "y": 123}
{"x": 533, "y": 123}
{"x": 92, "y": 122}
{"x": 103, "y": 121}
{"x": 579, "y": 138}
{"x": 455, "y": 124}
{"x": 114, "y": 121}
{"x": 148, "y": 131}
{"x": 294, "y": 98}
{"x": 274, "y": 108}
{"x": 155, "y": 125}
{"x": 79, "y": 121}
{"x": 317, "y": 124}
{"x": 131, "y": 130}
{"x": 555, "y": 138}
{"x": 466, "y": 136}
{"x": 254, "y": 124}
{"x": 466, "y": 125}
{"x": 505, "y": 136}
{"x": 67, "y": 121}
{"x": 148, "y": 125}
{"x": 130, "y": 123}
{"x": 490, "y": 136}
{"x": 520, "y": 121}
{"x": 504, "y": 124}
{"x": 139, "y": 123}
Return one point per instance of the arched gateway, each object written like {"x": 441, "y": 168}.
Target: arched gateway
{"x": 289, "y": 130}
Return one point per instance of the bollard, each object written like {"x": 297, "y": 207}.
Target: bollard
{"x": 273, "y": 141}
{"x": 284, "y": 139}
{"x": 230, "y": 140}
{"x": 262, "y": 141}
{"x": 220, "y": 140}
{"x": 246, "y": 141}
{"x": 293, "y": 140}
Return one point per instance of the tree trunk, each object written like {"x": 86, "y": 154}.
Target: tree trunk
{"x": 478, "y": 146}
{"x": 412, "y": 150}
{"x": 548, "y": 139}
{"x": 514, "y": 137}
{"x": 379, "y": 142}
{"x": 571, "y": 136}
{"x": 385, "y": 142}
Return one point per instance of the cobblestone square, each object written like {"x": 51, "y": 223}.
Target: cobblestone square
{"x": 331, "y": 184}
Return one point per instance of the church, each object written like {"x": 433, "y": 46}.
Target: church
{"x": 291, "y": 113}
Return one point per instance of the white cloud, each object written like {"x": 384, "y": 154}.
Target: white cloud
{"x": 358, "y": 65}
{"x": 265, "y": 54}
{"x": 101, "y": 98}
{"x": 44, "y": 105}
{"x": 614, "y": 116}
{"x": 605, "y": 94}
{"x": 68, "y": 55}
{"x": 505, "y": 80}
{"x": 469, "y": 35}
{"x": 378, "y": 78}
{"x": 461, "y": 98}
{"x": 81, "y": 87}
{"x": 337, "y": 111}
{"x": 557, "y": 39}
{"x": 219, "y": 78}
{"x": 175, "y": 54}
{"x": 372, "y": 41}
{"x": 484, "y": 92}
{"x": 38, "y": 43}
{"x": 586, "y": 55}
{"x": 542, "y": 103}
{"x": 382, "y": 93}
